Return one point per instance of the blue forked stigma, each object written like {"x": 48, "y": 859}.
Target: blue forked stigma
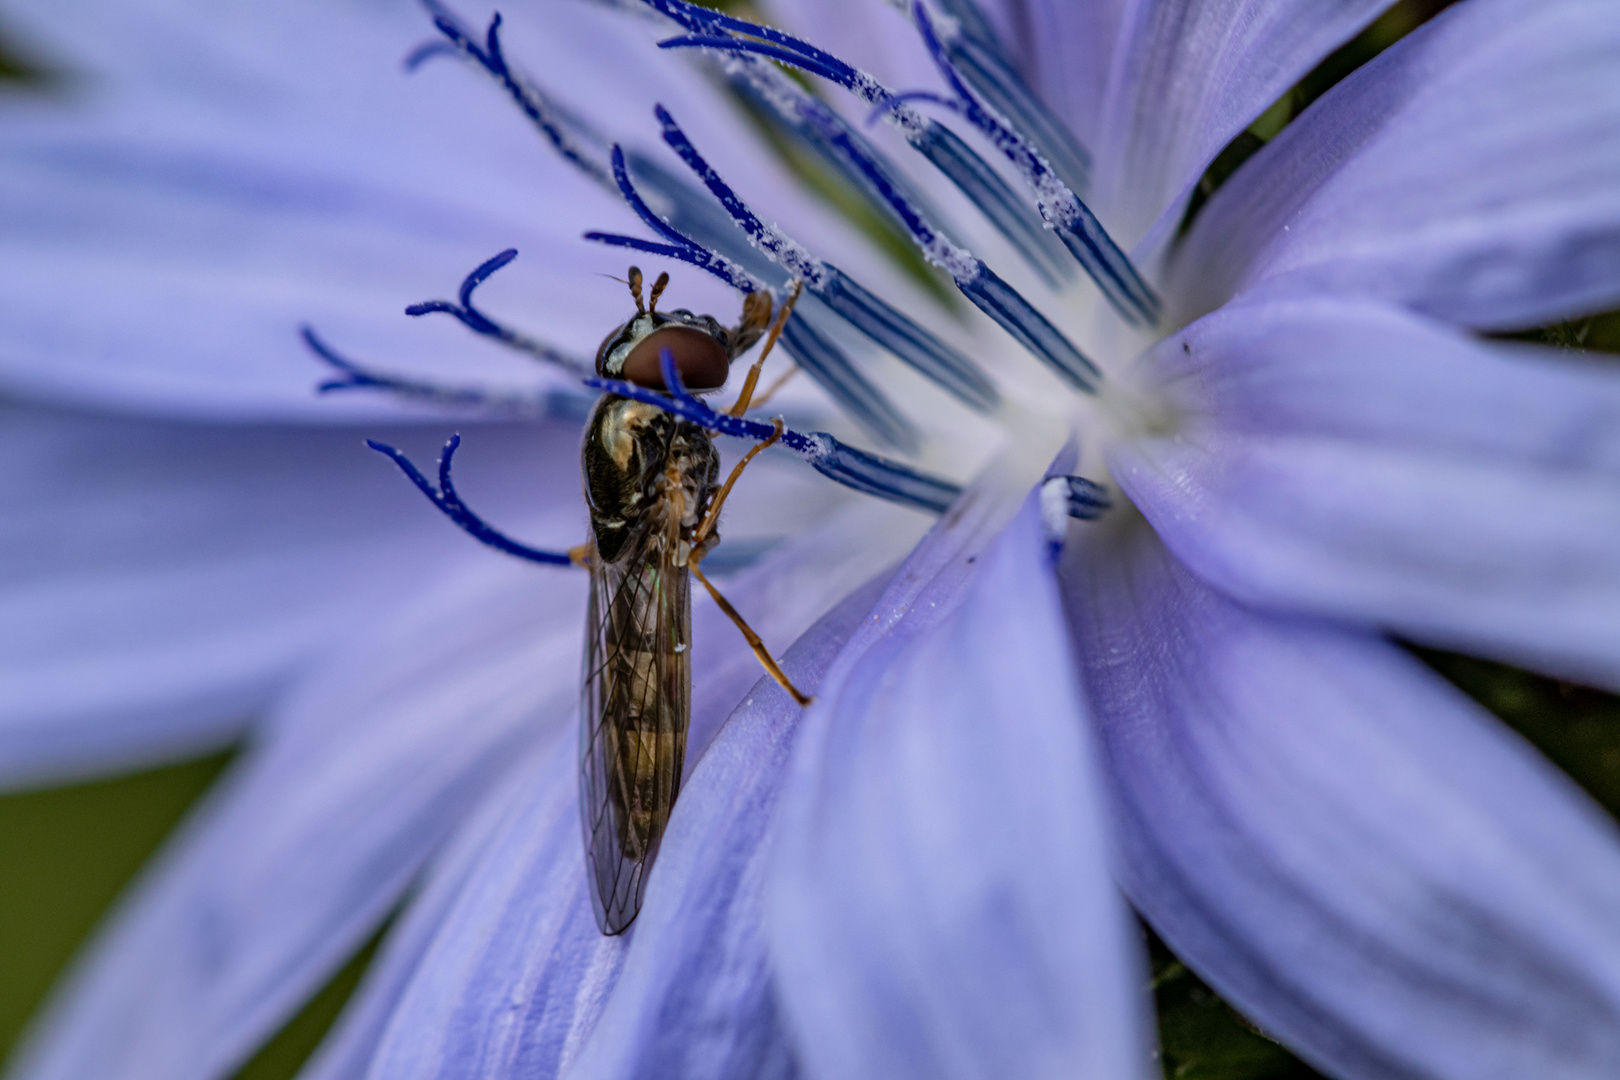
{"x": 450, "y": 504}
{"x": 857, "y": 469}
{"x": 523, "y": 403}
{"x": 478, "y": 322}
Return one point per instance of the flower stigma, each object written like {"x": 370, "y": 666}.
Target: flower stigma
{"x": 1064, "y": 311}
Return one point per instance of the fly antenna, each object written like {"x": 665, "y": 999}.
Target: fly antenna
{"x": 657, "y": 290}
{"x": 635, "y": 290}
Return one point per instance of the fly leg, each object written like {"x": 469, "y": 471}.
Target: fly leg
{"x": 770, "y": 391}
{"x": 699, "y": 548}
{"x": 711, "y": 517}
{"x": 760, "y": 651}
{"x": 747, "y": 394}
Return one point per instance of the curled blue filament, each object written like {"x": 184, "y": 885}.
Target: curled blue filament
{"x": 450, "y": 505}
{"x": 524, "y": 403}
{"x": 478, "y": 322}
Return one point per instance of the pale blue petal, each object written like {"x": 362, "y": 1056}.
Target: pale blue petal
{"x": 1471, "y": 171}
{"x": 348, "y": 1049}
{"x": 312, "y": 839}
{"x": 1186, "y": 77}
{"x": 1063, "y": 49}
{"x": 940, "y": 904}
{"x": 1348, "y": 849}
{"x": 160, "y": 583}
{"x": 695, "y": 998}
{"x": 518, "y": 972}
{"x": 873, "y": 37}
{"x": 1359, "y": 462}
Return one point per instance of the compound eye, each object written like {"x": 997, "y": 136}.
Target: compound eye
{"x": 701, "y": 360}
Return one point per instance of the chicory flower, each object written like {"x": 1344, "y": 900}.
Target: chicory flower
{"x": 1309, "y": 444}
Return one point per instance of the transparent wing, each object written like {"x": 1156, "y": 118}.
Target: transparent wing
{"x": 634, "y": 713}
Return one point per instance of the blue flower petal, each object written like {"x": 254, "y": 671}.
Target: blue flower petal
{"x": 161, "y": 584}
{"x": 1355, "y": 461}
{"x": 941, "y": 904}
{"x": 518, "y": 972}
{"x": 351, "y": 1044}
{"x": 1469, "y": 171}
{"x": 1373, "y": 869}
{"x": 1187, "y": 76}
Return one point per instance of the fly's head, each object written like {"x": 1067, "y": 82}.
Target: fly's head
{"x": 701, "y": 347}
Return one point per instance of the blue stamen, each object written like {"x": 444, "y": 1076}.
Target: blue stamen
{"x": 563, "y": 131}
{"x": 918, "y": 348}
{"x": 1033, "y": 330}
{"x": 477, "y": 321}
{"x": 680, "y": 246}
{"x": 564, "y": 404}
{"x": 797, "y": 59}
{"x": 857, "y": 469}
{"x": 970, "y": 173}
{"x": 884, "y": 108}
{"x": 784, "y": 101}
{"x": 1087, "y": 500}
{"x": 853, "y": 392}
{"x": 960, "y": 164}
{"x": 427, "y": 51}
{"x": 997, "y": 201}
{"x": 976, "y": 52}
{"x": 450, "y": 504}
{"x": 1076, "y": 225}
{"x": 979, "y": 283}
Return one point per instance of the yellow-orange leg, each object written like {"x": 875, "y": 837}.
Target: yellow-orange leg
{"x": 770, "y": 391}
{"x": 760, "y": 651}
{"x": 581, "y": 556}
{"x": 712, "y": 515}
{"x": 747, "y": 394}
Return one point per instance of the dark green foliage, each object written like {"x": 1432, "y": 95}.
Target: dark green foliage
{"x": 1201, "y": 1037}
{"x": 65, "y": 853}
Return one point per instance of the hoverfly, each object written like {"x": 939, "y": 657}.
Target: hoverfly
{"x": 651, "y": 481}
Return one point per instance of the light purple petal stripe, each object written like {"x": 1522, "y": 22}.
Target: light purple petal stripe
{"x": 1348, "y": 849}
{"x": 285, "y": 871}
{"x": 518, "y": 972}
{"x": 159, "y": 584}
{"x": 349, "y": 1047}
{"x": 1186, "y": 77}
{"x": 1471, "y": 171}
{"x": 941, "y": 905}
{"x": 1359, "y": 462}
{"x": 1063, "y": 50}
{"x": 695, "y": 998}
